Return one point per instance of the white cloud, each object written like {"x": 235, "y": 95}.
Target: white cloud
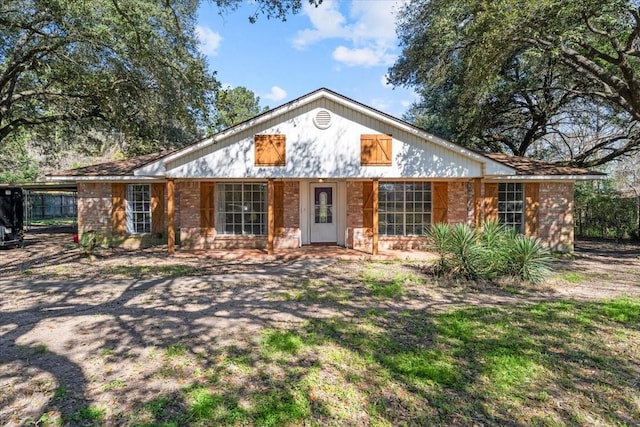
{"x": 406, "y": 103}
{"x": 364, "y": 57}
{"x": 209, "y": 40}
{"x": 276, "y": 94}
{"x": 327, "y": 22}
{"x": 367, "y": 31}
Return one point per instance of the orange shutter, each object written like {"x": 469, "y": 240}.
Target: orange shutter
{"x": 367, "y": 205}
{"x": 531, "y": 208}
{"x": 270, "y": 150}
{"x": 207, "y": 211}
{"x": 278, "y": 207}
{"x": 491, "y": 202}
{"x": 440, "y": 201}
{"x": 118, "y": 209}
{"x": 157, "y": 209}
{"x": 375, "y": 150}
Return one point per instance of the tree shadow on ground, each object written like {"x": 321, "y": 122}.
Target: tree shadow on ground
{"x": 326, "y": 348}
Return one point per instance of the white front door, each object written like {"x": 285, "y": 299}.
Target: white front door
{"x": 323, "y": 213}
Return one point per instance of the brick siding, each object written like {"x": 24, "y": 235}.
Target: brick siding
{"x": 556, "y": 215}
{"x": 457, "y": 210}
{"x": 290, "y": 236}
{"x": 358, "y": 238}
{"x": 94, "y": 207}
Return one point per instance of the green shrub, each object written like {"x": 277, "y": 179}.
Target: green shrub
{"x": 439, "y": 236}
{"x": 467, "y": 254}
{"x": 494, "y": 251}
{"x": 528, "y": 260}
{"x": 88, "y": 241}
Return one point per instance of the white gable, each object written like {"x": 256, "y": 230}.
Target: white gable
{"x": 313, "y": 151}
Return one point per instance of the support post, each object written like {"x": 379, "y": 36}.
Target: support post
{"x": 375, "y": 217}
{"x": 477, "y": 201}
{"x": 171, "y": 231}
{"x": 270, "y": 216}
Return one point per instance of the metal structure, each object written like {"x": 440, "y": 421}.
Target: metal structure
{"x": 11, "y": 216}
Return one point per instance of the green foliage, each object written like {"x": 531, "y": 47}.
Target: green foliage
{"x": 494, "y": 251}
{"x": 527, "y": 259}
{"x": 529, "y": 77}
{"x": 88, "y": 241}
{"x": 233, "y": 106}
{"x": 68, "y": 66}
{"x": 16, "y": 165}
{"x": 601, "y": 212}
{"x": 86, "y": 72}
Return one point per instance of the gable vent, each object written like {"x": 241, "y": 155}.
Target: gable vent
{"x": 322, "y": 119}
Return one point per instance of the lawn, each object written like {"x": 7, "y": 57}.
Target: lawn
{"x": 382, "y": 356}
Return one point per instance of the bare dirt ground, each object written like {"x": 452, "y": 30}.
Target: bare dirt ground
{"x": 77, "y": 331}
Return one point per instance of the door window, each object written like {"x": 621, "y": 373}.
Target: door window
{"x": 323, "y": 203}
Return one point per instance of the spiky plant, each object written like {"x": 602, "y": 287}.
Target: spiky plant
{"x": 528, "y": 259}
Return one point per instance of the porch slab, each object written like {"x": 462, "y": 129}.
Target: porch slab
{"x": 307, "y": 252}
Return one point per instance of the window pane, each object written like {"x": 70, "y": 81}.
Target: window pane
{"x": 403, "y": 207}
{"x": 243, "y": 209}
{"x": 138, "y": 208}
{"x": 511, "y": 204}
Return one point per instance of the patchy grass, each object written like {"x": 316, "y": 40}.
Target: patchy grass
{"x": 502, "y": 365}
{"x": 114, "y": 385}
{"x": 573, "y": 277}
{"x": 366, "y": 351}
{"x": 91, "y": 414}
{"x": 151, "y": 270}
{"x": 40, "y": 348}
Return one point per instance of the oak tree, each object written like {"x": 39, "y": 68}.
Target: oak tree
{"x": 520, "y": 75}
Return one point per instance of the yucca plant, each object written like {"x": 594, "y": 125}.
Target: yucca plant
{"x": 467, "y": 252}
{"x": 494, "y": 239}
{"x": 439, "y": 236}
{"x": 528, "y": 259}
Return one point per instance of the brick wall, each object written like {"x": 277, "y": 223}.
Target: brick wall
{"x": 556, "y": 215}
{"x": 187, "y": 208}
{"x": 192, "y": 236}
{"x": 94, "y": 207}
{"x": 457, "y": 209}
{"x": 358, "y": 238}
{"x": 290, "y": 236}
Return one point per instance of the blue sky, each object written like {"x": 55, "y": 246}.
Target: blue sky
{"x": 345, "y": 46}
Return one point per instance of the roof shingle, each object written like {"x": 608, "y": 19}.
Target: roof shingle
{"x": 124, "y": 167}
{"x": 526, "y": 166}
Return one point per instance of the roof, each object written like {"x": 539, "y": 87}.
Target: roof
{"x": 156, "y": 165}
{"x": 529, "y": 167}
{"x": 124, "y": 167}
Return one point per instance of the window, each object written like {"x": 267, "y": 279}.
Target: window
{"x": 241, "y": 209}
{"x": 511, "y": 204}
{"x": 404, "y": 208}
{"x": 138, "y": 207}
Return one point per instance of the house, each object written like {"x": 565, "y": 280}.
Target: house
{"x": 321, "y": 169}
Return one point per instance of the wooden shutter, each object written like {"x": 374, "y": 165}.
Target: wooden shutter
{"x": 531, "y": 208}
{"x": 270, "y": 150}
{"x": 375, "y": 150}
{"x": 491, "y": 202}
{"x": 157, "y": 209}
{"x": 440, "y": 201}
{"x": 118, "y": 209}
{"x": 278, "y": 207}
{"x": 367, "y": 205}
{"x": 207, "y": 211}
